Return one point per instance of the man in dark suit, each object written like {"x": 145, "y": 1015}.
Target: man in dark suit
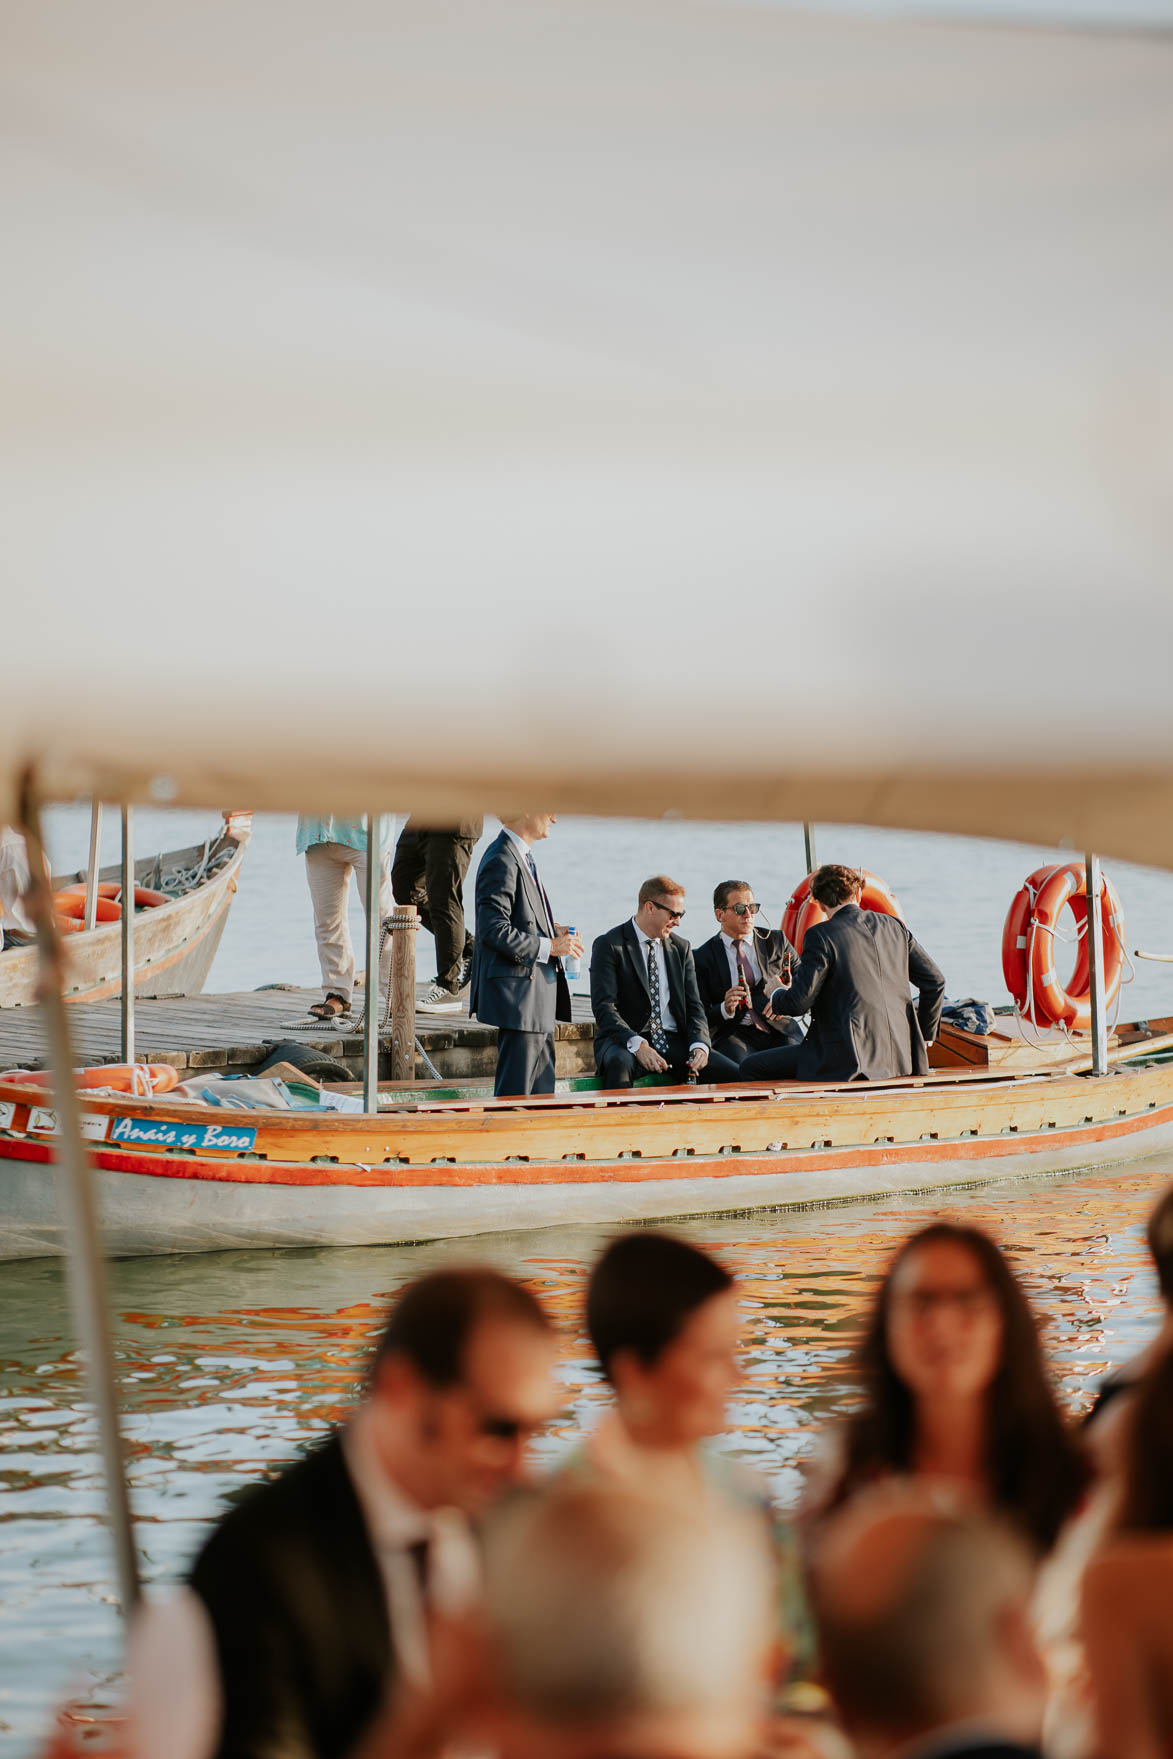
{"x": 648, "y": 1012}
{"x": 926, "y": 1628}
{"x": 313, "y": 1596}
{"x": 853, "y": 979}
{"x": 518, "y": 984}
{"x": 735, "y": 973}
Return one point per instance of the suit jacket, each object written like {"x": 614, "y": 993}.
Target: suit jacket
{"x": 292, "y": 1586}
{"x": 714, "y": 978}
{"x": 510, "y": 987}
{"x": 620, "y": 998}
{"x": 853, "y": 980}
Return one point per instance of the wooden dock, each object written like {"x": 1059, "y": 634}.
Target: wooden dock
{"x": 236, "y": 1031}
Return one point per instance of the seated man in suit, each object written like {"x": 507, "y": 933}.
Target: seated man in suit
{"x": 853, "y": 979}
{"x": 647, "y": 1008}
{"x": 735, "y": 973}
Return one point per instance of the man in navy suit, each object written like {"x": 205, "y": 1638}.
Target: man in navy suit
{"x": 737, "y": 971}
{"x": 518, "y": 984}
{"x": 649, "y": 1017}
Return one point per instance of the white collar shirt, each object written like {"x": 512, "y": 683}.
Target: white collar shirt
{"x": 748, "y": 953}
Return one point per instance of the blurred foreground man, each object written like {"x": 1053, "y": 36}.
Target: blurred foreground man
{"x": 312, "y": 1598}
{"x": 620, "y": 1627}
{"x": 925, "y": 1630}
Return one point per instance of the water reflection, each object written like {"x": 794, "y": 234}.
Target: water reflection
{"x": 228, "y": 1363}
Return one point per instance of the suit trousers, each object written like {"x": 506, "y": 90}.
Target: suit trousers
{"x": 525, "y": 1063}
{"x": 328, "y": 867}
{"x": 618, "y": 1068}
{"x": 429, "y": 872}
{"x": 743, "y": 1041}
{"x": 772, "y": 1065}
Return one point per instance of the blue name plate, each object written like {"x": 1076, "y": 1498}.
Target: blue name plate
{"x": 164, "y": 1133}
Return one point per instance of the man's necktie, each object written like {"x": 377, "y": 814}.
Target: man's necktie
{"x": 533, "y": 867}
{"x": 657, "y": 1037}
{"x": 751, "y": 1015}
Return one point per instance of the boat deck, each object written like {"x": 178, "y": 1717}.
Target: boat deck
{"x": 232, "y": 1031}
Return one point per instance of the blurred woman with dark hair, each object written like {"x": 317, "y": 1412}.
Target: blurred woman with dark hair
{"x": 1127, "y": 1600}
{"x": 663, "y": 1318}
{"x": 955, "y": 1389}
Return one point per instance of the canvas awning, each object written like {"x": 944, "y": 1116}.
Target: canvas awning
{"x": 634, "y": 406}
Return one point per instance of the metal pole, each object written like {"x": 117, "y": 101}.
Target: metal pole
{"x": 405, "y": 924}
{"x": 1095, "y": 966}
{"x": 91, "y": 914}
{"x": 87, "y": 1279}
{"x": 808, "y": 838}
{"x": 370, "y": 1059}
{"x": 128, "y": 934}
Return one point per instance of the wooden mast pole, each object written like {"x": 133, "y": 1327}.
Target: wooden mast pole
{"x": 370, "y": 1060}
{"x": 128, "y": 934}
{"x": 1095, "y": 965}
{"x": 808, "y": 839}
{"x": 91, "y": 915}
{"x": 87, "y": 1278}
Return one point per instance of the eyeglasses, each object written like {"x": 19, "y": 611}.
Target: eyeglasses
{"x": 672, "y": 915}
{"x": 967, "y": 1303}
{"x": 744, "y": 909}
{"x": 498, "y": 1427}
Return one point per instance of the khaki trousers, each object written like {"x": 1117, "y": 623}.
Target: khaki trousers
{"x": 328, "y": 867}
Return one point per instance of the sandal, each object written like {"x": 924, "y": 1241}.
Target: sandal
{"x": 333, "y": 1008}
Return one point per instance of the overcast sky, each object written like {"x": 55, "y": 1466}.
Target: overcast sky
{"x": 1120, "y": 13}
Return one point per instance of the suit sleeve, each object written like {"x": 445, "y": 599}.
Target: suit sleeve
{"x": 807, "y": 978}
{"x": 712, "y": 993}
{"x": 609, "y": 1022}
{"x": 496, "y": 931}
{"x": 930, "y": 984}
{"x": 698, "y": 1026}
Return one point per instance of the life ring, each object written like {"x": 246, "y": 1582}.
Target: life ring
{"x": 140, "y": 1079}
{"x": 74, "y": 904}
{"x": 1028, "y": 946}
{"x": 144, "y": 897}
{"x": 802, "y": 911}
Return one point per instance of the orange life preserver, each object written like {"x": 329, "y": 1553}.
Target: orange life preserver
{"x": 74, "y": 904}
{"x": 802, "y": 911}
{"x": 1028, "y": 946}
{"x": 144, "y": 897}
{"x": 104, "y": 889}
{"x": 140, "y": 1079}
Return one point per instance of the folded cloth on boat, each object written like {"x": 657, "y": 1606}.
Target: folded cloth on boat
{"x": 968, "y": 1015}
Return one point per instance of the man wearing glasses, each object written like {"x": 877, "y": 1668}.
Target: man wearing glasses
{"x": 736, "y": 973}
{"x": 649, "y": 1018}
{"x": 318, "y": 1593}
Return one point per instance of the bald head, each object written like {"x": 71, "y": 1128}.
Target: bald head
{"x": 924, "y": 1621}
{"x": 618, "y": 1623}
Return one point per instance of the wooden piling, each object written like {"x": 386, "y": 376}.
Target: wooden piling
{"x": 404, "y": 928}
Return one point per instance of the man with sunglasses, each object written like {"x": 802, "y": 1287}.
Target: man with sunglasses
{"x": 649, "y": 1018}
{"x": 737, "y": 971}
{"x": 314, "y": 1597}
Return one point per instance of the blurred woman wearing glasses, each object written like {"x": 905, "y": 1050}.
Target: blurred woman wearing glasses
{"x": 955, "y": 1390}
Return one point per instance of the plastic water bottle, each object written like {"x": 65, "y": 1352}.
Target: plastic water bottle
{"x": 572, "y": 963}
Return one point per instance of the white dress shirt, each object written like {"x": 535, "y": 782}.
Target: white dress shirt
{"x": 14, "y": 881}
{"x": 748, "y": 953}
{"x": 174, "y": 1703}
{"x": 667, "y": 1017}
{"x": 544, "y": 940}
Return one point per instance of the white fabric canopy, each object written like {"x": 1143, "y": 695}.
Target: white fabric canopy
{"x": 622, "y": 405}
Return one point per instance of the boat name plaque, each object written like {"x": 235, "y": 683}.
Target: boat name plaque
{"x": 43, "y": 1122}
{"x": 166, "y": 1133}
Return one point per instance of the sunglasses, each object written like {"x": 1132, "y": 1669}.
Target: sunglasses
{"x": 495, "y": 1426}
{"x": 672, "y": 915}
{"x": 744, "y": 909}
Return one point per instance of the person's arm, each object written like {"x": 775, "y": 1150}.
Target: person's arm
{"x": 806, "y": 979}
{"x": 609, "y": 1022}
{"x": 496, "y": 931}
{"x": 930, "y": 983}
{"x": 173, "y": 1700}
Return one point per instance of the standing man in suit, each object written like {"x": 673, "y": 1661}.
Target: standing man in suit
{"x": 314, "y": 1595}
{"x": 853, "y": 980}
{"x": 735, "y": 973}
{"x": 648, "y": 1011}
{"x": 518, "y": 984}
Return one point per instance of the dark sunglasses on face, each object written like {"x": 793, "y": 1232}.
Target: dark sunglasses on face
{"x": 672, "y": 915}
{"x": 744, "y": 909}
{"x": 505, "y": 1428}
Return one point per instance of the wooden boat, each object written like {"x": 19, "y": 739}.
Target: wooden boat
{"x": 175, "y": 942}
{"x": 172, "y": 1175}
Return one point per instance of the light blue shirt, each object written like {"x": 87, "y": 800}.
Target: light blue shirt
{"x": 350, "y": 832}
